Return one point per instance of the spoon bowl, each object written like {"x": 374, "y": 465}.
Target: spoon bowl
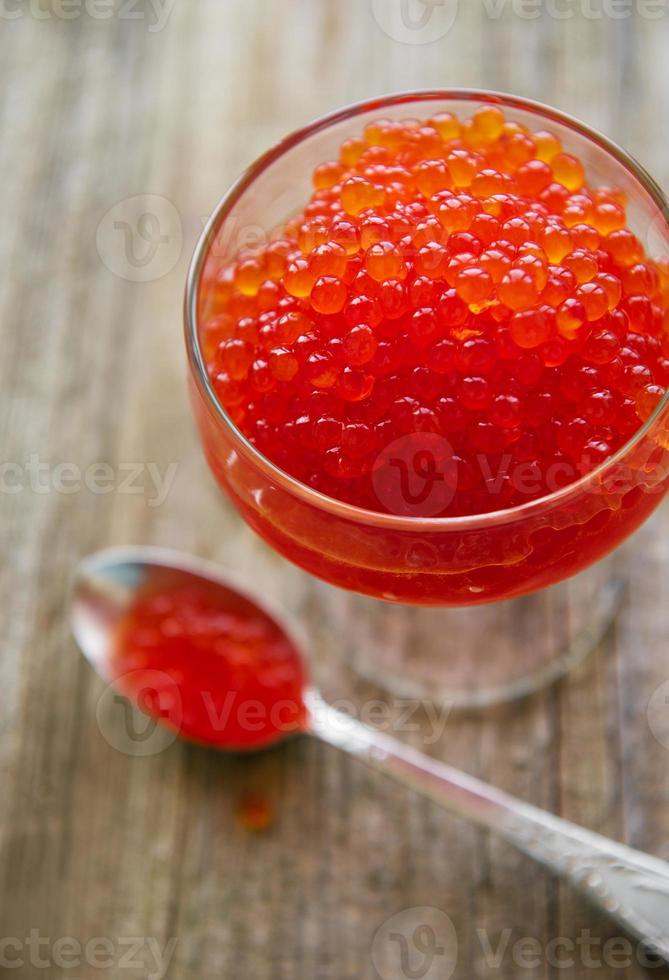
{"x": 104, "y": 596}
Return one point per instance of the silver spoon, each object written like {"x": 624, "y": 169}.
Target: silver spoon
{"x": 632, "y": 887}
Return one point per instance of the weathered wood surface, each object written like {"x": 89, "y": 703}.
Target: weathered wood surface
{"x": 97, "y": 843}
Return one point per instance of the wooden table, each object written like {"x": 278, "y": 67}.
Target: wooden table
{"x": 97, "y": 844}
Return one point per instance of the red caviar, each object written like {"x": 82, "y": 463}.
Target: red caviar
{"x": 457, "y": 278}
{"x": 211, "y": 666}
{"x": 255, "y": 812}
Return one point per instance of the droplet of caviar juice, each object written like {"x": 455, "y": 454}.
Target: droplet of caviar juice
{"x": 453, "y": 276}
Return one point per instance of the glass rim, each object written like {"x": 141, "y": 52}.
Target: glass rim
{"x": 323, "y": 502}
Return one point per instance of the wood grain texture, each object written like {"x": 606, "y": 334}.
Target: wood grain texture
{"x": 97, "y": 843}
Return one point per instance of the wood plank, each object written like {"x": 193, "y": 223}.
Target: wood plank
{"x": 94, "y": 842}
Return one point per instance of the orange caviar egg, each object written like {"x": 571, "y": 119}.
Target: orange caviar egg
{"x": 568, "y": 170}
{"x": 570, "y": 317}
{"x": 298, "y": 280}
{"x": 609, "y": 217}
{"x": 249, "y": 276}
{"x": 488, "y": 182}
{"x": 489, "y": 123}
{"x": 432, "y": 176}
{"x": 578, "y": 210}
{"x": 329, "y": 295}
{"x": 517, "y": 290}
{"x": 534, "y": 177}
{"x": 321, "y": 371}
{"x": 351, "y": 151}
{"x": 624, "y": 246}
{"x": 585, "y": 237}
{"x": 236, "y": 357}
{"x": 385, "y": 261}
{"x": 548, "y": 146}
{"x": 531, "y": 328}
{"x": 373, "y": 229}
{"x": 346, "y": 234}
{"x": 647, "y": 400}
{"x": 283, "y": 364}
{"x": 518, "y": 150}
{"x": 360, "y": 345}
{"x": 463, "y": 167}
{"x": 374, "y": 131}
{"x": 432, "y": 260}
{"x": 612, "y": 287}
{"x": 311, "y": 235}
{"x": 557, "y": 243}
{"x": 357, "y": 193}
{"x": 447, "y": 125}
{"x": 641, "y": 279}
{"x": 582, "y": 264}
{"x": 328, "y": 259}
{"x": 474, "y": 285}
{"x": 594, "y": 299}
{"x": 327, "y": 175}
{"x": 456, "y": 213}
{"x": 276, "y": 258}
{"x": 291, "y": 325}
{"x": 496, "y": 263}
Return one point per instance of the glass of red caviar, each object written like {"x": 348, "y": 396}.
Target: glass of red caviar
{"x": 417, "y": 526}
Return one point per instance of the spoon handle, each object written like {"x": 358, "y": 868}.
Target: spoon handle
{"x": 632, "y": 887}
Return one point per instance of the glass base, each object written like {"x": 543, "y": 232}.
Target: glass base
{"x": 480, "y": 656}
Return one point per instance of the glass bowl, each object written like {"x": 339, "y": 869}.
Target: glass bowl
{"x": 400, "y": 556}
